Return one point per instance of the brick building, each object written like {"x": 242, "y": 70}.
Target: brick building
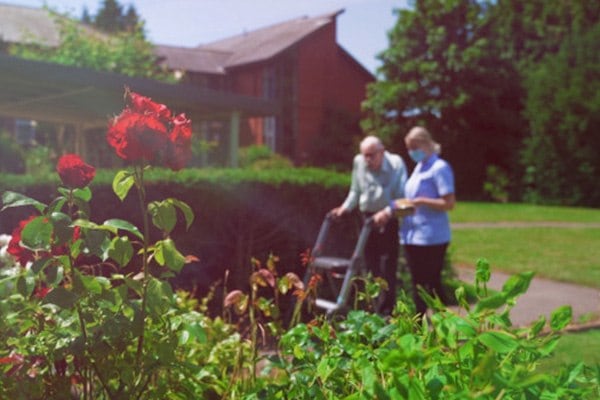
{"x": 298, "y": 64}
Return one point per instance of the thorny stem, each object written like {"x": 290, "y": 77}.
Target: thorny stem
{"x": 253, "y": 332}
{"x": 139, "y": 182}
{"x": 87, "y": 381}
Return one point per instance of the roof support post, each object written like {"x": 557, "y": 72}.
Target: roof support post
{"x": 60, "y": 139}
{"x": 203, "y": 139}
{"x": 80, "y": 142}
{"x": 234, "y": 138}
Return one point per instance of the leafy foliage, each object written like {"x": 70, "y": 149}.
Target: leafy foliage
{"x": 563, "y": 107}
{"x": 260, "y": 157}
{"x": 452, "y": 355}
{"x": 12, "y": 159}
{"x": 128, "y": 53}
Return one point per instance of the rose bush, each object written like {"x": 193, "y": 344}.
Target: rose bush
{"x": 91, "y": 313}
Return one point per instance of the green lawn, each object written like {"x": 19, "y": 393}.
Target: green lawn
{"x": 497, "y": 212}
{"x": 570, "y": 254}
{"x": 573, "y": 348}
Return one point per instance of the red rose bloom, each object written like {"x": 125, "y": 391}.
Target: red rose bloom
{"x": 24, "y": 255}
{"x": 147, "y": 131}
{"x": 144, "y": 105}
{"x": 180, "y": 143}
{"x": 137, "y": 136}
{"x": 73, "y": 172}
{"x": 21, "y": 254}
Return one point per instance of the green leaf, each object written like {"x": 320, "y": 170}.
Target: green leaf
{"x": 37, "y": 234}
{"x": 132, "y": 284}
{"x": 537, "y": 326}
{"x": 168, "y": 255}
{"x": 548, "y": 346}
{"x": 61, "y": 297}
{"x": 163, "y": 215}
{"x": 54, "y": 273}
{"x": 195, "y": 331}
{"x": 482, "y": 271}
{"x": 298, "y": 352}
{"x": 461, "y": 297}
{"x": 121, "y": 250}
{"x": 13, "y": 199}
{"x": 369, "y": 375}
{"x": 98, "y": 243}
{"x": 326, "y": 366}
{"x": 499, "y": 341}
{"x": 25, "y": 285}
{"x": 124, "y": 225}
{"x": 83, "y": 194}
{"x": 56, "y": 205}
{"x": 87, "y": 224}
{"x": 86, "y": 283}
{"x": 63, "y": 231}
{"x": 83, "y": 208}
{"x": 561, "y": 317}
{"x": 38, "y": 265}
{"x": 159, "y": 296}
{"x": 186, "y": 210}
{"x": 486, "y": 366}
{"x": 491, "y": 303}
{"x": 122, "y": 183}
{"x": 518, "y": 284}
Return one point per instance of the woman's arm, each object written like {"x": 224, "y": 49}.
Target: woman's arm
{"x": 444, "y": 203}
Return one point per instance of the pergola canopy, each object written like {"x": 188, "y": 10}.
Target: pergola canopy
{"x": 88, "y": 98}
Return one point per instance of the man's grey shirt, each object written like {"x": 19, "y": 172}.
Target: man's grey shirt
{"x": 373, "y": 190}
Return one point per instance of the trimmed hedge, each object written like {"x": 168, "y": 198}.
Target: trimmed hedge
{"x": 239, "y": 213}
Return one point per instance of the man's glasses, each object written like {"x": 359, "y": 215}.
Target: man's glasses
{"x": 372, "y": 154}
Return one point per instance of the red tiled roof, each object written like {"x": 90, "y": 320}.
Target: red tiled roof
{"x": 264, "y": 43}
{"x": 246, "y": 48}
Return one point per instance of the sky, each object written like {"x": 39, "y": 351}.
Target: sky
{"x": 362, "y": 27}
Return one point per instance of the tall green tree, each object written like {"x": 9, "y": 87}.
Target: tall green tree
{"x": 111, "y": 18}
{"x": 131, "y": 19}
{"x": 560, "y": 153}
{"x": 555, "y": 45}
{"x": 442, "y": 70}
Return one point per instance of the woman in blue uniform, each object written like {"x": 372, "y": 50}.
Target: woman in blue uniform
{"x": 426, "y": 233}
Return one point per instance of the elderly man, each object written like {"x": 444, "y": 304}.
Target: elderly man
{"x": 378, "y": 177}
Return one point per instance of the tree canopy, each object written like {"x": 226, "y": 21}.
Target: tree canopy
{"x": 122, "y": 51}
{"x": 112, "y": 18}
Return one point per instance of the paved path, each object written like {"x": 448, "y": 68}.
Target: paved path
{"x": 543, "y": 297}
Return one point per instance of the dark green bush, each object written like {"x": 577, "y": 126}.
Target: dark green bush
{"x": 11, "y": 155}
{"x": 240, "y": 214}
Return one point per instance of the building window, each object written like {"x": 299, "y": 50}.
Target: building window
{"x": 270, "y": 92}
{"x": 25, "y": 131}
{"x": 270, "y": 136}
